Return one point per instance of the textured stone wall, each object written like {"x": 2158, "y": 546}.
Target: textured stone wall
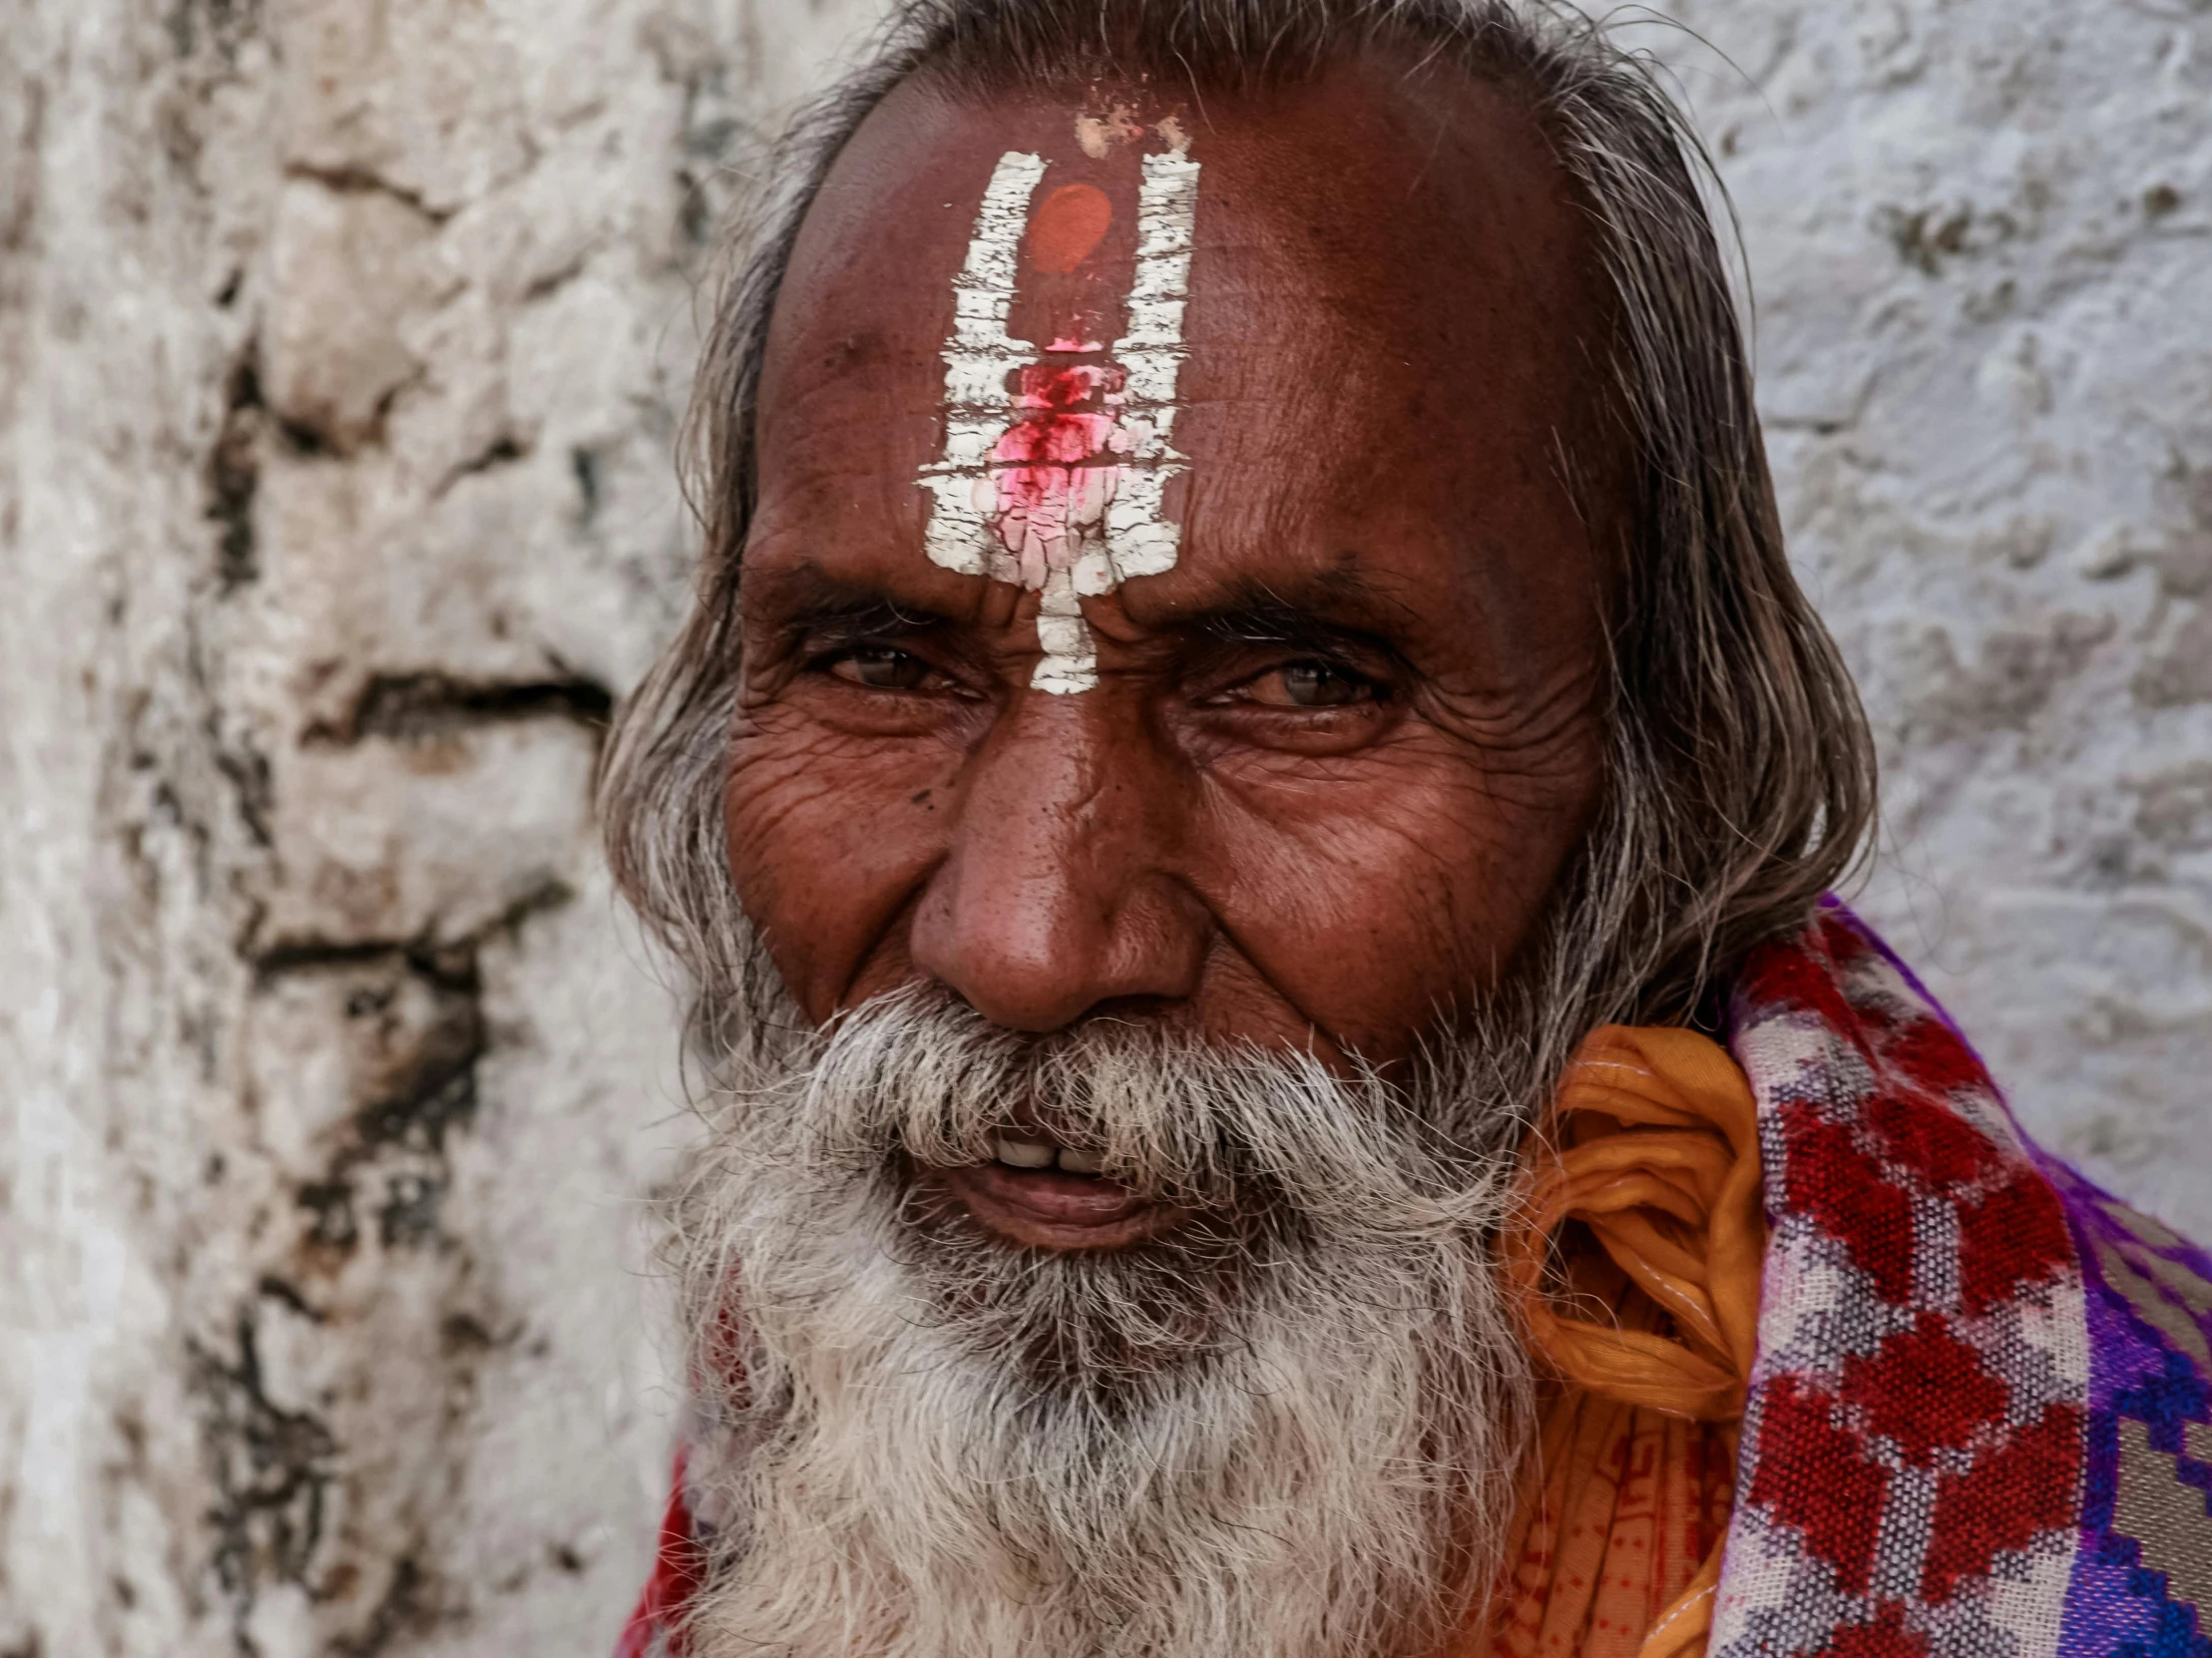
{"x": 341, "y": 348}
{"x": 1979, "y": 235}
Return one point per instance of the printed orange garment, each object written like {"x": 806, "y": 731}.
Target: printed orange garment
{"x": 1637, "y": 1269}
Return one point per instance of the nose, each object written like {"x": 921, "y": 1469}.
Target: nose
{"x": 1056, "y": 892}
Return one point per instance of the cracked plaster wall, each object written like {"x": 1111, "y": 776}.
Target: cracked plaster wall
{"x": 341, "y": 346}
{"x": 340, "y": 350}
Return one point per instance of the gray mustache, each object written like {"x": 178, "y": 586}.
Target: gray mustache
{"x": 1212, "y": 1127}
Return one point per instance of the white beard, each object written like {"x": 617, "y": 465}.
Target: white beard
{"x": 1288, "y": 1430}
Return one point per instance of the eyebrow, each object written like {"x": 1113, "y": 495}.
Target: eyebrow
{"x": 1322, "y": 612}
{"x": 808, "y": 601}
{"x": 1326, "y": 612}
{"x": 1279, "y": 623}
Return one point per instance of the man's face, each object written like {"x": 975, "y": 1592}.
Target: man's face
{"x": 1309, "y": 783}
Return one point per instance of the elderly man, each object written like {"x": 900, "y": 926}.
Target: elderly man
{"x": 1248, "y": 797}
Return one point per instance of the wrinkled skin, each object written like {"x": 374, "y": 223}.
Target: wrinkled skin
{"x": 1342, "y": 751}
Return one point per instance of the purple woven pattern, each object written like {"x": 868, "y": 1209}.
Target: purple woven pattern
{"x": 2142, "y": 1578}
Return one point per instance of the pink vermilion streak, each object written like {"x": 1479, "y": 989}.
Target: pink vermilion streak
{"x": 1051, "y": 473}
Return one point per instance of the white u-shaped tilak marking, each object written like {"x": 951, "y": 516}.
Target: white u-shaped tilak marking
{"x": 1108, "y": 523}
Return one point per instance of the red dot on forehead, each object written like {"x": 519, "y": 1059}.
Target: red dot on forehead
{"x": 1066, "y": 225}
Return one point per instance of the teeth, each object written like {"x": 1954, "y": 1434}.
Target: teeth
{"x": 1025, "y": 1153}
{"x": 1080, "y": 1162}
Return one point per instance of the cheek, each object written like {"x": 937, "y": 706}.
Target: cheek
{"x": 829, "y": 836}
{"x": 1377, "y": 904}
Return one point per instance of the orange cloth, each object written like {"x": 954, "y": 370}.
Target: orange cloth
{"x": 1637, "y": 1267}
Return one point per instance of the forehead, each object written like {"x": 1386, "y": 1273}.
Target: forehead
{"x": 1392, "y": 323}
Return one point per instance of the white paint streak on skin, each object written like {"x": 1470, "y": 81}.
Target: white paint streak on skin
{"x": 978, "y": 360}
{"x": 1140, "y": 536}
{"x": 1070, "y": 528}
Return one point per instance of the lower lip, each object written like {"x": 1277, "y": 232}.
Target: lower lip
{"x": 1046, "y": 1209}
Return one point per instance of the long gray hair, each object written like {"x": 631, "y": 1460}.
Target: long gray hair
{"x": 1741, "y": 773}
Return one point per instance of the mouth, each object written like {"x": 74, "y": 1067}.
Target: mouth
{"x": 1045, "y": 1196}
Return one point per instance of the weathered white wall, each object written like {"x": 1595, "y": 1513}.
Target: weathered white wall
{"x": 1981, "y": 238}
{"x": 340, "y": 343}
{"x": 341, "y": 348}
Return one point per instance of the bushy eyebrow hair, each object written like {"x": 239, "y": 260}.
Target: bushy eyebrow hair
{"x": 1326, "y": 612}
{"x": 809, "y": 601}
{"x": 1280, "y": 623}
{"x": 1329, "y": 612}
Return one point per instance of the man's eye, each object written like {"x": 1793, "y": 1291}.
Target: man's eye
{"x": 882, "y": 669}
{"x": 1310, "y": 685}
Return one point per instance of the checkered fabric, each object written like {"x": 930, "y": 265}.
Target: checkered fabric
{"x": 1981, "y": 1420}
{"x": 1978, "y": 1420}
